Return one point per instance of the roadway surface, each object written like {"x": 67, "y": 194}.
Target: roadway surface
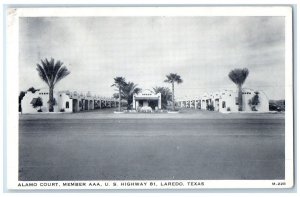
{"x": 88, "y": 146}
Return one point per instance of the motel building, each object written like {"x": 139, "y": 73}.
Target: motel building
{"x": 226, "y": 101}
{"x": 146, "y": 101}
{"x": 66, "y": 101}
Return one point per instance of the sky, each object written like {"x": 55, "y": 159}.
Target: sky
{"x": 202, "y": 50}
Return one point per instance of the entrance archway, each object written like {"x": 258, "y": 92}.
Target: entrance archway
{"x": 153, "y": 104}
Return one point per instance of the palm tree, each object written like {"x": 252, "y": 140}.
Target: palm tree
{"x": 51, "y": 73}
{"x": 172, "y": 78}
{"x": 119, "y": 82}
{"x": 129, "y": 89}
{"x": 239, "y": 76}
{"x": 166, "y": 95}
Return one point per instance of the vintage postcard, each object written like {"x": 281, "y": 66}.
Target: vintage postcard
{"x": 149, "y": 97}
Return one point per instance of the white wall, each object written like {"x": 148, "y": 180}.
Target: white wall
{"x": 44, "y": 94}
{"x": 248, "y": 94}
{"x": 263, "y": 106}
{"x": 62, "y": 98}
{"x": 26, "y": 101}
{"x": 229, "y": 98}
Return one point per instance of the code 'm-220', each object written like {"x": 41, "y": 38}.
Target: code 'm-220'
{"x": 279, "y": 183}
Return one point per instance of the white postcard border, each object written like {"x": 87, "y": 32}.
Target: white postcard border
{"x": 12, "y": 65}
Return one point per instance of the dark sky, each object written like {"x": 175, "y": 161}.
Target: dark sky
{"x": 202, "y": 50}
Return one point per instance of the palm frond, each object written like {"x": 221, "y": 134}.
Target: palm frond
{"x": 42, "y": 74}
{"x": 119, "y": 82}
{"x": 166, "y": 95}
{"x": 137, "y": 90}
{"x": 173, "y": 77}
{"x": 238, "y": 76}
{"x": 61, "y": 73}
{"x": 52, "y": 72}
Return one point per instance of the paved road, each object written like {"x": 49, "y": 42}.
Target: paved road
{"x": 157, "y": 149}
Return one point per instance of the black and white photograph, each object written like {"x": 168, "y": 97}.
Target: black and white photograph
{"x": 152, "y": 98}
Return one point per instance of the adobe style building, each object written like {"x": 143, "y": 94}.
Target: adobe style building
{"x": 221, "y": 101}
{"x": 147, "y": 99}
{"x": 227, "y": 101}
{"x": 66, "y": 101}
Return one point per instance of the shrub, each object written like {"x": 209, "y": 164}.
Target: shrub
{"x": 37, "y": 102}
{"x": 62, "y": 110}
{"x": 253, "y": 108}
{"x": 40, "y": 110}
{"x": 254, "y": 101}
{"x": 228, "y": 109}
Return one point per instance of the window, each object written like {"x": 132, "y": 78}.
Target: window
{"x": 223, "y": 104}
{"x": 67, "y": 104}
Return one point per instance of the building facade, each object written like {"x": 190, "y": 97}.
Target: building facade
{"x": 147, "y": 100}
{"x": 65, "y": 101}
{"x": 227, "y": 101}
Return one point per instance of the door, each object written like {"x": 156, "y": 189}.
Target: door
{"x": 86, "y": 104}
{"x": 75, "y": 105}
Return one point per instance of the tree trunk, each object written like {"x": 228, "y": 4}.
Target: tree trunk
{"x": 240, "y": 97}
{"x": 173, "y": 99}
{"x": 51, "y": 103}
{"x": 129, "y": 101}
{"x": 119, "y": 99}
